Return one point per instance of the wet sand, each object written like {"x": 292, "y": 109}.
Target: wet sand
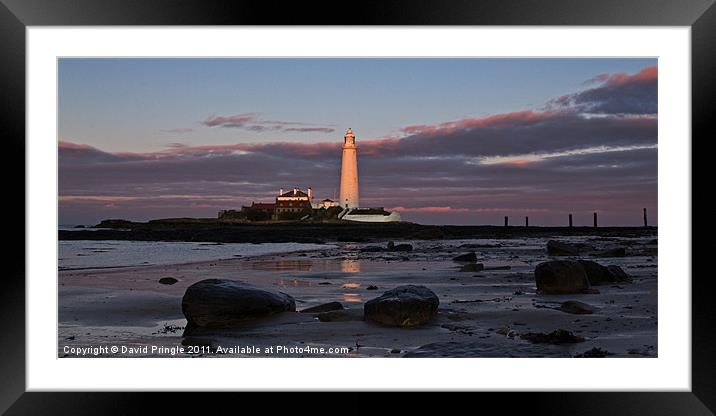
{"x": 480, "y": 315}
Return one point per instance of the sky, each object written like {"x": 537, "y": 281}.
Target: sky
{"x": 442, "y": 141}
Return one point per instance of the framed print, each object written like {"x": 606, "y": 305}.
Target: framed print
{"x": 453, "y": 198}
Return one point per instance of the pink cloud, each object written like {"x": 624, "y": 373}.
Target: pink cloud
{"x": 647, "y": 74}
{"x": 506, "y": 120}
{"x": 65, "y": 145}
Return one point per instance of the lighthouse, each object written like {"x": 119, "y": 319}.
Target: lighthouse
{"x": 349, "y": 172}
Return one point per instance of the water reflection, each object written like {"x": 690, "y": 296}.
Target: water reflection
{"x": 292, "y": 283}
{"x": 282, "y": 265}
{"x": 350, "y": 266}
{"x": 305, "y": 265}
{"x": 352, "y": 297}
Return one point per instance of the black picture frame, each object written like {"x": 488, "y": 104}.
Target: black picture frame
{"x": 15, "y": 15}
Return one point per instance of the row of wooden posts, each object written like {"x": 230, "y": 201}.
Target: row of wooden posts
{"x": 527, "y": 220}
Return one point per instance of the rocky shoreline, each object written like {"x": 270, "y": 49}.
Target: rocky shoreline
{"x": 214, "y": 231}
{"x": 407, "y": 299}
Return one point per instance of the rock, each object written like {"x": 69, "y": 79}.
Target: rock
{"x": 222, "y": 303}
{"x": 499, "y": 268}
{"x": 559, "y": 336}
{"x": 603, "y": 275}
{"x": 557, "y": 248}
{"x": 561, "y": 276}
{"x": 472, "y": 267}
{"x": 596, "y": 273}
{"x": 372, "y": 287}
{"x": 487, "y": 348}
{"x": 576, "y": 307}
{"x": 470, "y": 257}
{"x": 372, "y": 249}
{"x": 167, "y": 280}
{"x": 404, "y": 306}
{"x": 325, "y": 283}
{"x": 619, "y": 274}
{"x": 594, "y": 353}
{"x": 398, "y": 247}
{"x": 403, "y": 247}
{"x": 343, "y": 315}
{"x": 614, "y": 252}
{"x": 330, "y": 306}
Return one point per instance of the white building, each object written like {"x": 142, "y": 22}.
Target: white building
{"x": 349, "y": 188}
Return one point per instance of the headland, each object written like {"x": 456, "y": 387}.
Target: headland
{"x": 213, "y": 230}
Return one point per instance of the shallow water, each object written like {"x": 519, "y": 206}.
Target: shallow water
{"x": 86, "y": 254}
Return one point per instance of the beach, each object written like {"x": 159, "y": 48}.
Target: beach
{"x": 489, "y": 313}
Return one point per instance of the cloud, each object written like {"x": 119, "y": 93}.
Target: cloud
{"x": 238, "y": 120}
{"x": 252, "y": 122}
{"x": 311, "y": 129}
{"x": 617, "y": 94}
{"x": 177, "y": 145}
{"x": 542, "y": 164}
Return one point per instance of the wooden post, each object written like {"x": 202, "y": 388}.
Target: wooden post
{"x": 527, "y": 221}
{"x": 570, "y": 220}
{"x": 505, "y": 220}
{"x": 645, "y": 224}
{"x": 595, "y": 220}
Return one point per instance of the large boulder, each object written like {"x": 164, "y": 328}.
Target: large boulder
{"x": 603, "y": 275}
{"x": 596, "y": 273}
{"x": 561, "y": 276}
{"x": 558, "y": 248}
{"x": 619, "y": 274}
{"x": 404, "y": 306}
{"x": 223, "y": 303}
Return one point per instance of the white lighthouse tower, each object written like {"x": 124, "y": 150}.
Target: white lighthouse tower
{"x": 349, "y": 172}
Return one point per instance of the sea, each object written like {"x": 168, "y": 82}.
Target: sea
{"x": 90, "y": 254}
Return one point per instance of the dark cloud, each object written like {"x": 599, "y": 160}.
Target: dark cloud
{"x": 616, "y": 94}
{"x": 311, "y": 129}
{"x": 238, "y": 120}
{"x": 252, "y": 122}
